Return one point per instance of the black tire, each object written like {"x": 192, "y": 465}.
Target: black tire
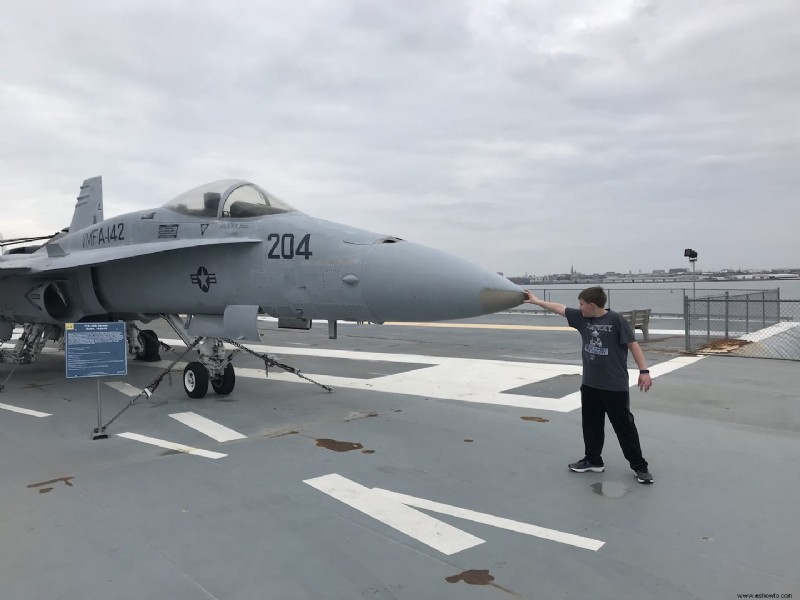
{"x": 149, "y": 340}
{"x": 195, "y": 380}
{"x": 224, "y": 384}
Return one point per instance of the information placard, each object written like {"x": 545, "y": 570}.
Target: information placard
{"x": 96, "y": 349}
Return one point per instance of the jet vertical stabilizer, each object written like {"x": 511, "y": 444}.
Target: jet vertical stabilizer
{"x": 89, "y": 207}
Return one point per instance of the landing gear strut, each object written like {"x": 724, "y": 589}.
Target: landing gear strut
{"x": 213, "y": 365}
{"x": 31, "y": 343}
{"x": 143, "y": 343}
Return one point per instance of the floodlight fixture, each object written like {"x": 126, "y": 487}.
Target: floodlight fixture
{"x": 692, "y": 256}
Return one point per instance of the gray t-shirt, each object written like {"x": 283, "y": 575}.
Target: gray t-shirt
{"x": 605, "y": 349}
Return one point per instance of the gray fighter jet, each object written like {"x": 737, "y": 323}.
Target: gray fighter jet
{"x": 215, "y": 258}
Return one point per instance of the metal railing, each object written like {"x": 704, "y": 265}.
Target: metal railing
{"x": 737, "y": 322}
{"x": 663, "y": 302}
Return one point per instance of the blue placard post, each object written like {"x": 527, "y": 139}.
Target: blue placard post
{"x": 96, "y": 350}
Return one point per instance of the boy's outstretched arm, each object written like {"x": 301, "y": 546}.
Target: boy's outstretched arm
{"x": 559, "y": 309}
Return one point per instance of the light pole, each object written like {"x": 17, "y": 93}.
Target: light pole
{"x": 692, "y": 256}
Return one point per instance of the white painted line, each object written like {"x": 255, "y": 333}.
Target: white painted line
{"x": 171, "y": 446}
{"x": 763, "y": 334}
{"x": 24, "y": 411}
{"x": 463, "y": 379}
{"x": 663, "y": 368}
{"x": 432, "y": 532}
{"x": 125, "y": 388}
{"x": 500, "y": 522}
{"x": 395, "y": 510}
{"x": 655, "y": 371}
{"x": 208, "y": 427}
{"x": 46, "y": 350}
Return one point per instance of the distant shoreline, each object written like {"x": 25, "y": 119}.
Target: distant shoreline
{"x": 650, "y": 279}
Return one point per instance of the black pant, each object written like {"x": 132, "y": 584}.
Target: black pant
{"x": 595, "y": 405}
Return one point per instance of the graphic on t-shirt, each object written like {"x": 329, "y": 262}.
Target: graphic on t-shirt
{"x": 595, "y": 345}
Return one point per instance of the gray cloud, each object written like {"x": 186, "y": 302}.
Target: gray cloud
{"x": 526, "y": 136}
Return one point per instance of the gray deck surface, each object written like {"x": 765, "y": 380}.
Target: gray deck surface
{"x": 137, "y": 521}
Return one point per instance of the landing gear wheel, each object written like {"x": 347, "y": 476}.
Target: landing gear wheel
{"x": 223, "y": 384}
{"x": 149, "y": 340}
{"x": 195, "y": 380}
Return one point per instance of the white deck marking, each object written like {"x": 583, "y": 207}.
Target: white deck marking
{"x": 432, "y": 532}
{"x": 500, "y": 522}
{"x": 24, "y": 411}
{"x": 395, "y": 510}
{"x": 763, "y": 334}
{"x": 171, "y": 446}
{"x": 125, "y": 388}
{"x": 447, "y": 378}
{"x": 208, "y": 427}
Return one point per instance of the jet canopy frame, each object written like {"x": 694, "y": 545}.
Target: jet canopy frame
{"x": 229, "y": 199}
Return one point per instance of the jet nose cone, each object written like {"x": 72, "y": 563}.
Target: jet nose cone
{"x": 494, "y": 300}
{"x": 409, "y": 282}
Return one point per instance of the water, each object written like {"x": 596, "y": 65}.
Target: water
{"x": 662, "y": 298}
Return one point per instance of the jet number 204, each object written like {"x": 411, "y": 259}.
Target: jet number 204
{"x": 283, "y": 246}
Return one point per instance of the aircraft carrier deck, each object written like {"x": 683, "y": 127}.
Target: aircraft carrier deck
{"x": 437, "y": 468}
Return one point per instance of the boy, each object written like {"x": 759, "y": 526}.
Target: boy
{"x": 605, "y": 391}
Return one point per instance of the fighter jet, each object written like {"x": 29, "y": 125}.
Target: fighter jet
{"x": 215, "y": 258}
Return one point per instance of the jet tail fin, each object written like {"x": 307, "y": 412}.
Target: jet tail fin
{"x": 89, "y": 207}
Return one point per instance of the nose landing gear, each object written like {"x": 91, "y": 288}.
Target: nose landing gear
{"x": 213, "y": 366}
{"x": 224, "y": 384}
{"x": 195, "y": 380}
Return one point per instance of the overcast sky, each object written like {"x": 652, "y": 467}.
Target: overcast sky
{"x": 527, "y": 136}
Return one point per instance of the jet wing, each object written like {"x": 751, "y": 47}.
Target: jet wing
{"x": 58, "y": 260}
{"x": 5, "y": 271}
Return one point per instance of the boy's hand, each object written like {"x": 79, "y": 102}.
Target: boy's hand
{"x": 530, "y": 297}
{"x": 645, "y": 381}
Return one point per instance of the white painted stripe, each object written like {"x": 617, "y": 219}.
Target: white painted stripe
{"x": 518, "y": 526}
{"x": 171, "y": 446}
{"x": 763, "y": 334}
{"x": 46, "y": 350}
{"x": 432, "y": 532}
{"x": 663, "y": 368}
{"x": 125, "y": 388}
{"x": 437, "y": 382}
{"x": 24, "y": 411}
{"x": 208, "y": 427}
{"x": 448, "y": 378}
{"x": 394, "y": 509}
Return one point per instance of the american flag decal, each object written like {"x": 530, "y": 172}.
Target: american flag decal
{"x": 167, "y": 231}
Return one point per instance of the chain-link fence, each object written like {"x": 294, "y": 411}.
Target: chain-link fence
{"x": 754, "y": 324}
{"x": 742, "y": 322}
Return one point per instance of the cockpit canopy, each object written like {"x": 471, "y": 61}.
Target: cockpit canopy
{"x": 228, "y": 198}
